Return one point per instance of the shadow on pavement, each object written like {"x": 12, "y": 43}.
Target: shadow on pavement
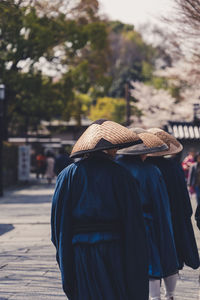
{"x": 4, "y": 228}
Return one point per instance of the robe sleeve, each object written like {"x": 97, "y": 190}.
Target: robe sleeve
{"x": 135, "y": 243}
{"x": 183, "y": 190}
{"x": 61, "y": 229}
{"x": 197, "y": 216}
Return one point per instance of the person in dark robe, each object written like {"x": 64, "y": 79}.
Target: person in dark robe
{"x": 62, "y": 161}
{"x": 194, "y": 177}
{"x": 180, "y": 205}
{"x": 194, "y": 183}
{"x": 97, "y": 225}
{"x": 197, "y": 216}
{"x": 163, "y": 261}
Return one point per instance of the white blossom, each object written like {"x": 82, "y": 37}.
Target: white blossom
{"x": 187, "y": 72}
{"x": 186, "y": 75}
{"x": 159, "y": 107}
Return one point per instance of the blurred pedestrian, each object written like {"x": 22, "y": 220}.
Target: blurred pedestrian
{"x": 188, "y": 161}
{"x": 194, "y": 177}
{"x": 97, "y": 222}
{"x": 40, "y": 164}
{"x": 163, "y": 261}
{"x": 50, "y": 166}
{"x": 180, "y": 205}
{"x": 62, "y": 161}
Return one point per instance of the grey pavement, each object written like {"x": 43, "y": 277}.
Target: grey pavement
{"x": 28, "y": 269}
{"x": 188, "y": 286}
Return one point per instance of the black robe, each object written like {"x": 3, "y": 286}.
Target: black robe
{"x": 181, "y": 211}
{"x": 99, "y": 233}
{"x": 163, "y": 260}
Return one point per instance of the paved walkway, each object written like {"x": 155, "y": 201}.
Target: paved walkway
{"x": 188, "y": 287}
{"x": 27, "y": 258}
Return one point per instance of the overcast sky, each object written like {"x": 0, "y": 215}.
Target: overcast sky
{"x": 136, "y": 12}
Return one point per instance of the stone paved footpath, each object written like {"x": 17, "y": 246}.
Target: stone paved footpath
{"x": 27, "y": 258}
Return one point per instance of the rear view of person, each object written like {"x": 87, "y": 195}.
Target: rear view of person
{"x": 50, "y": 166}
{"x": 62, "y": 161}
{"x": 40, "y": 164}
{"x": 163, "y": 261}
{"x": 97, "y": 222}
{"x": 180, "y": 206}
{"x": 194, "y": 177}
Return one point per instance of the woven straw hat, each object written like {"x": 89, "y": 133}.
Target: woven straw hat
{"x": 151, "y": 144}
{"x": 103, "y": 134}
{"x": 174, "y": 146}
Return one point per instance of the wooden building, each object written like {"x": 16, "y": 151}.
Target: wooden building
{"x": 188, "y": 133}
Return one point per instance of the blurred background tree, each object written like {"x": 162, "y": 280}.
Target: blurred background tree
{"x": 71, "y": 50}
{"x": 109, "y": 108}
{"x": 63, "y": 59}
{"x": 131, "y": 58}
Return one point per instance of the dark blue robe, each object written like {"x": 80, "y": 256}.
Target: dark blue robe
{"x": 181, "y": 211}
{"x": 61, "y": 162}
{"x": 98, "y": 259}
{"x": 197, "y": 216}
{"x": 163, "y": 260}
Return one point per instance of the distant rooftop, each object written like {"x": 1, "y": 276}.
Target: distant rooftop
{"x": 184, "y": 130}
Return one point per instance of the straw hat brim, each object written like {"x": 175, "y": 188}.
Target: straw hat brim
{"x": 151, "y": 144}
{"x": 141, "y": 149}
{"x": 174, "y": 146}
{"x": 103, "y": 135}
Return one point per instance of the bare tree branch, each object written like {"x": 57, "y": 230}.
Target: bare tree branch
{"x": 185, "y": 25}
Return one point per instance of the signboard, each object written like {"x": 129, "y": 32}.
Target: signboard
{"x": 23, "y": 163}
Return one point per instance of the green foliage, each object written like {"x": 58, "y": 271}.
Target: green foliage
{"x": 35, "y": 100}
{"x": 97, "y": 35}
{"x": 175, "y": 92}
{"x": 101, "y": 88}
{"x": 90, "y": 66}
{"x": 109, "y": 108}
{"x": 147, "y": 71}
{"x": 80, "y": 106}
{"x": 81, "y": 76}
{"x": 99, "y": 58}
{"x": 24, "y": 35}
{"x": 163, "y": 83}
{"x": 131, "y": 58}
{"x": 27, "y": 36}
{"x": 125, "y": 75}
{"x": 159, "y": 82}
{"x": 119, "y": 27}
